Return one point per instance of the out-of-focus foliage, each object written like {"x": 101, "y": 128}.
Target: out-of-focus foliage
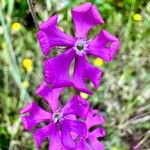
{"x": 124, "y": 94}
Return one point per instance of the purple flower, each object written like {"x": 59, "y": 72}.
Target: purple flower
{"x": 91, "y": 142}
{"x": 56, "y": 69}
{"x": 61, "y": 126}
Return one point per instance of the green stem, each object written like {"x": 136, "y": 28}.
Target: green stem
{"x": 13, "y": 68}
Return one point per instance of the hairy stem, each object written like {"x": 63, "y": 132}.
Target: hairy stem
{"x": 33, "y": 13}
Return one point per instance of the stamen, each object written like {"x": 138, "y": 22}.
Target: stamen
{"x": 80, "y": 46}
{"x": 56, "y": 117}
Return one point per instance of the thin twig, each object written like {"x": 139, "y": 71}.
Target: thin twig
{"x": 147, "y": 135}
{"x": 136, "y": 121}
{"x": 33, "y": 13}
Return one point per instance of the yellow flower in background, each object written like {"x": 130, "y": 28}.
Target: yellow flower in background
{"x": 137, "y": 17}
{"x": 25, "y": 84}
{"x": 114, "y": 148}
{"x": 27, "y": 64}
{"x": 98, "y": 62}
{"x": 4, "y": 45}
{"x": 16, "y": 26}
{"x": 84, "y": 95}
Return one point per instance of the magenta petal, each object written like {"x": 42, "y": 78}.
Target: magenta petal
{"x": 104, "y": 46}
{"x": 77, "y": 127}
{"x": 93, "y": 138}
{"x": 99, "y": 132}
{"x": 35, "y": 116}
{"x": 49, "y": 94}
{"x": 40, "y": 135}
{"x": 50, "y": 35}
{"x": 77, "y": 106}
{"x": 93, "y": 144}
{"x": 54, "y": 137}
{"x": 56, "y": 69}
{"x": 83, "y": 145}
{"x": 97, "y": 145}
{"x": 50, "y": 131}
{"x": 84, "y": 70}
{"x": 85, "y": 17}
{"x": 94, "y": 118}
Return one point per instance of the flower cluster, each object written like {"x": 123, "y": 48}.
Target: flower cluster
{"x": 73, "y": 126}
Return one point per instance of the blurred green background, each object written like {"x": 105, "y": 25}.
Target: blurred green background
{"x": 124, "y": 94}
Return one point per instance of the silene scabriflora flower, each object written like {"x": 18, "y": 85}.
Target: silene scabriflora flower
{"x": 67, "y": 127}
{"x": 104, "y": 46}
{"x": 64, "y": 126}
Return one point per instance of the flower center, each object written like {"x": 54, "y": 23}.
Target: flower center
{"x": 56, "y": 117}
{"x": 80, "y": 46}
